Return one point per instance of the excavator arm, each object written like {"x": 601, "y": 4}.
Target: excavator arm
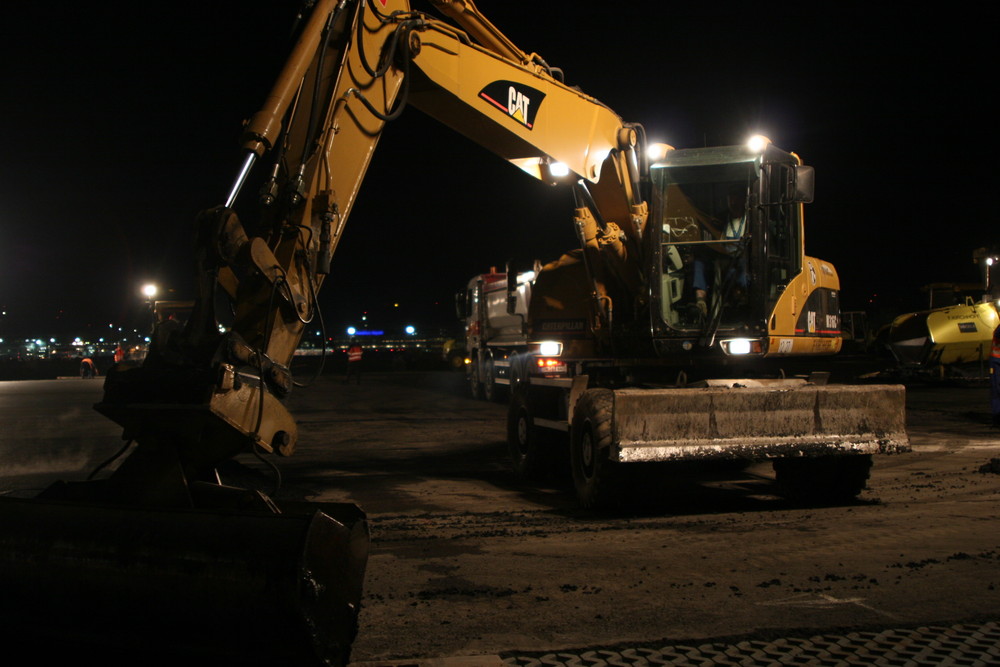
{"x": 355, "y": 67}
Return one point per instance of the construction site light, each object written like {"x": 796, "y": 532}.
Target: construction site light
{"x": 558, "y": 169}
{"x": 657, "y": 152}
{"x": 757, "y": 143}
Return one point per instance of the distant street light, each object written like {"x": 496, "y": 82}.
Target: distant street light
{"x": 149, "y": 290}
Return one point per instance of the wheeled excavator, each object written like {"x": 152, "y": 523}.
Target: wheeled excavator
{"x": 160, "y": 552}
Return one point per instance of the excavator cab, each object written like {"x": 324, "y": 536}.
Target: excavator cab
{"x": 727, "y": 228}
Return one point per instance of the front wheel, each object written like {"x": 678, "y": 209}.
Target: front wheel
{"x": 822, "y": 479}
{"x": 475, "y": 384}
{"x": 595, "y": 475}
{"x": 492, "y": 391}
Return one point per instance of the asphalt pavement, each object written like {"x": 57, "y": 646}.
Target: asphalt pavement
{"x": 471, "y": 567}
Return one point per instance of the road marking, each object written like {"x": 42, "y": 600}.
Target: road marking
{"x": 459, "y": 661}
{"x": 823, "y": 601}
{"x": 957, "y": 448}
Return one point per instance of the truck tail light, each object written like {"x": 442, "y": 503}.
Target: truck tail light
{"x": 548, "y": 366}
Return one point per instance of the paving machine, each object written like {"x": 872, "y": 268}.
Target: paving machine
{"x": 953, "y": 339}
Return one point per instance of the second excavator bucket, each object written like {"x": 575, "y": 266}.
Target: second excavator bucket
{"x": 153, "y": 586}
{"x": 750, "y": 419}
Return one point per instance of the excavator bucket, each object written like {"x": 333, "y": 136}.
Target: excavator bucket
{"x": 749, "y": 419}
{"x": 154, "y": 586}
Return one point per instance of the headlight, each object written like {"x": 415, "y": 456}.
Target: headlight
{"x": 738, "y": 346}
{"x": 550, "y": 348}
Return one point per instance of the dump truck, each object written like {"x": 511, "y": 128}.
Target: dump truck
{"x": 494, "y": 320}
{"x": 163, "y": 554}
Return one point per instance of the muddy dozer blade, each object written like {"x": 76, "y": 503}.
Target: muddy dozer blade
{"x": 759, "y": 420}
{"x": 231, "y": 587}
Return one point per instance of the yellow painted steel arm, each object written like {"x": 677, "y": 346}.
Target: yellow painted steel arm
{"x": 355, "y": 67}
{"x": 506, "y": 103}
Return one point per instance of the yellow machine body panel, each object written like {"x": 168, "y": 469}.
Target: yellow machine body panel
{"x": 803, "y": 322}
{"x": 943, "y": 337}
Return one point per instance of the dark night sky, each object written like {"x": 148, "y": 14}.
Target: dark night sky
{"x": 121, "y": 121}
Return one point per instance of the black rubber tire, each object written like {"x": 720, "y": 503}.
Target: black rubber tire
{"x": 492, "y": 391}
{"x": 595, "y": 476}
{"x": 475, "y": 385}
{"x": 529, "y": 448}
{"x": 822, "y": 479}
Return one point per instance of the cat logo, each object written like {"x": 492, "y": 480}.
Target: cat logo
{"x": 515, "y": 100}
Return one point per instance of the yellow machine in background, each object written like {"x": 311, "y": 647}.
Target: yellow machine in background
{"x": 954, "y": 338}
{"x": 943, "y": 339}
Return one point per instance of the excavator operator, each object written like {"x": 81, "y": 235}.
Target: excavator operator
{"x": 735, "y": 266}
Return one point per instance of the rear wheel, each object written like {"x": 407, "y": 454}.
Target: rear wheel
{"x": 822, "y": 479}
{"x": 594, "y": 473}
{"x": 529, "y": 449}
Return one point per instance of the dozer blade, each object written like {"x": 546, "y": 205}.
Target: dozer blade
{"x": 758, "y": 420}
{"x": 153, "y": 586}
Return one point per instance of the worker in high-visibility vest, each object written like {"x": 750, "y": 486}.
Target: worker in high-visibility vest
{"x": 354, "y": 355}
{"x": 87, "y": 368}
{"x": 995, "y": 377}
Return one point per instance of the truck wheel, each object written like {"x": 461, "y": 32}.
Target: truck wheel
{"x": 594, "y": 474}
{"x": 526, "y": 442}
{"x": 475, "y": 386}
{"x": 491, "y": 390}
{"x": 822, "y": 479}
